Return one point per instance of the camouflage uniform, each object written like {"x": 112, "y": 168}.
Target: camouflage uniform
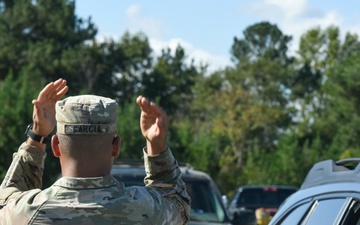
{"x": 97, "y": 200}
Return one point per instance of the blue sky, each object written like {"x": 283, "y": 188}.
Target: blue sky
{"x": 206, "y": 28}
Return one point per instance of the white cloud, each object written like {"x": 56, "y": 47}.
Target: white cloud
{"x": 200, "y": 56}
{"x": 155, "y": 31}
{"x": 215, "y": 62}
{"x": 137, "y": 21}
{"x": 133, "y": 11}
{"x": 295, "y": 17}
{"x": 280, "y": 10}
{"x": 290, "y": 9}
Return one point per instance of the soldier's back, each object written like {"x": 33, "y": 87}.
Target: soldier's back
{"x": 93, "y": 201}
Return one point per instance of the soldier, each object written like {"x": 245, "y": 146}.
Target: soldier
{"x": 86, "y": 144}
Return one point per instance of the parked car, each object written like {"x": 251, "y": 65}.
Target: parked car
{"x": 262, "y": 200}
{"x": 207, "y": 206}
{"x": 330, "y": 194}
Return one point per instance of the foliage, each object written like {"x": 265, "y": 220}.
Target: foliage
{"x": 342, "y": 119}
{"x": 170, "y": 82}
{"x": 132, "y": 141}
{"x": 261, "y": 40}
{"x": 250, "y": 106}
{"x": 194, "y": 141}
{"x": 128, "y": 62}
{"x": 36, "y": 34}
{"x": 16, "y": 113}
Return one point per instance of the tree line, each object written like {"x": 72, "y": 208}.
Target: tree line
{"x": 266, "y": 119}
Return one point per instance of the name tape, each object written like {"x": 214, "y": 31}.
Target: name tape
{"x": 86, "y": 129}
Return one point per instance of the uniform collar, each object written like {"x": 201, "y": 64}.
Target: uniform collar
{"x": 86, "y": 183}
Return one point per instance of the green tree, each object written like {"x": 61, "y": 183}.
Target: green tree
{"x": 290, "y": 163}
{"x": 261, "y": 40}
{"x": 316, "y": 89}
{"x": 132, "y": 140}
{"x": 117, "y": 65}
{"x": 171, "y": 82}
{"x": 16, "y": 113}
{"x": 127, "y": 63}
{"x": 341, "y": 120}
{"x": 252, "y": 105}
{"x": 192, "y": 142}
{"x": 245, "y": 107}
{"x": 246, "y": 123}
{"x": 36, "y": 34}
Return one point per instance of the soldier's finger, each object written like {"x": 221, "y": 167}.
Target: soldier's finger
{"x": 46, "y": 90}
{"x": 61, "y": 92}
{"x": 59, "y": 89}
{"x": 143, "y": 103}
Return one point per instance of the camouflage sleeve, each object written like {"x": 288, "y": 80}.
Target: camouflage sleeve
{"x": 25, "y": 171}
{"x": 163, "y": 176}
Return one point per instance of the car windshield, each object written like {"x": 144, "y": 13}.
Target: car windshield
{"x": 266, "y": 197}
{"x": 205, "y": 206}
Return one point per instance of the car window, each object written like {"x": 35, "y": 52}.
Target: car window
{"x": 325, "y": 211}
{"x": 204, "y": 203}
{"x": 296, "y": 215}
{"x": 352, "y": 216}
{"x": 269, "y": 197}
{"x": 319, "y": 212}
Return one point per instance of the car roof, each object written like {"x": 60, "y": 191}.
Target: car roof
{"x": 327, "y": 179}
{"x": 329, "y": 176}
{"x": 136, "y": 168}
{"x": 260, "y": 186}
{"x": 330, "y": 171}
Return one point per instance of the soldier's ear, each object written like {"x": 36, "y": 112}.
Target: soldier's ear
{"x": 55, "y": 145}
{"x": 116, "y": 146}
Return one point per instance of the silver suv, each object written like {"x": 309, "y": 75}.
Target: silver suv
{"x": 207, "y": 206}
{"x": 330, "y": 194}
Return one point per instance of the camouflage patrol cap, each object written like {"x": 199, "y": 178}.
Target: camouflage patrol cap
{"x": 86, "y": 114}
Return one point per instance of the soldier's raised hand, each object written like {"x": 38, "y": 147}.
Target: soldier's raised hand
{"x": 44, "y": 107}
{"x": 154, "y": 125}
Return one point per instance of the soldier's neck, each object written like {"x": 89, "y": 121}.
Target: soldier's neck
{"x": 73, "y": 168}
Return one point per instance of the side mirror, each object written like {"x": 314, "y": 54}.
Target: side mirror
{"x": 244, "y": 217}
